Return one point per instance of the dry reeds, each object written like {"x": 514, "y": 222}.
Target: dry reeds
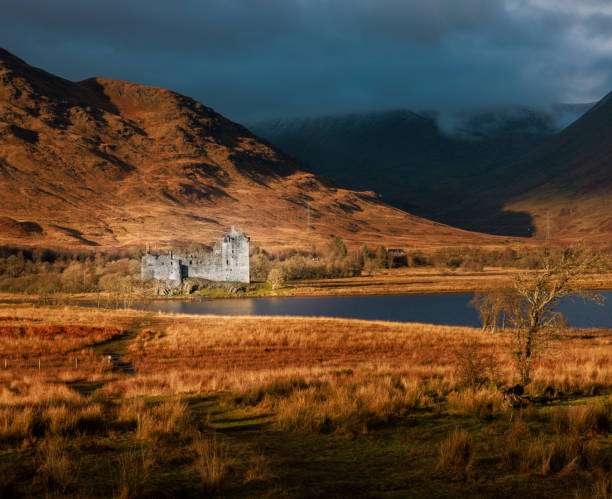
{"x": 456, "y": 451}
{"x": 347, "y": 406}
{"x": 483, "y": 403}
{"x": 212, "y": 462}
{"x": 582, "y": 420}
{"x": 134, "y": 469}
{"x": 57, "y": 471}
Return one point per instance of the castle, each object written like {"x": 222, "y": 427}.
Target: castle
{"x": 228, "y": 261}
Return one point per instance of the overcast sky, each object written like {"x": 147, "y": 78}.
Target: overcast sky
{"x": 256, "y": 59}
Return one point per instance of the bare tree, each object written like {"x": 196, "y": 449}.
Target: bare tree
{"x": 492, "y": 308}
{"x": 532, "y": 310}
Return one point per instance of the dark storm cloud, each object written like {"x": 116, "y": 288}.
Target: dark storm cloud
{"x": 254, "y": 59}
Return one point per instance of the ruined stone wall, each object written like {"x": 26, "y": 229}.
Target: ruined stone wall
{"x": 162, "y": 267}
{"x": 229, "y": 261}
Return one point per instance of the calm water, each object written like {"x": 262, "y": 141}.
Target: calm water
{"x": 451, "y": 309}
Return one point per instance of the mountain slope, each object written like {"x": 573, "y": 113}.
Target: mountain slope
{"x": 441, "y": 166}
{"x": 566, "y": 184}
{"x": 113, "y": 164}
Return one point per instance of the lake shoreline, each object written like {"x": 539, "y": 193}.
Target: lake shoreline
{"x": 392, "y": 282}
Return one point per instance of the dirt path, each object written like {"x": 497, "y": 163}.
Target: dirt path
{"x": 114, "y": 350}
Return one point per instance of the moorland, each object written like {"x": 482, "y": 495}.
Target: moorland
{"x": 133, "y": 404}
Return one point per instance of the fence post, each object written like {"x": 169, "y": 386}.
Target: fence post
{"x": 39, "y": 364}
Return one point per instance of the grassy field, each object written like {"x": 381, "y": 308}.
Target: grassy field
{"x": 98, "y": 403}
{"x": 426, "y": 281}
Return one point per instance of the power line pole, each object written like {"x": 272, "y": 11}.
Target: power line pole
{"x": 308, "y": 222}
{"x": 548, "y": 227}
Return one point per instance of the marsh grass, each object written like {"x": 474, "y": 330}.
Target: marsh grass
{"x": 599, "y": 488}
{"x": 348, "y": 407}
{"x": 169, "y": 418}
{"x": 275, "y": 389}
{"x": 134, "y": 470}
{"x": 57, "y": 470}
{"x": 540, "y": 455}
{"x": 212, "y": 463}
{"x": 582, "y": 420}
{"x": 483, "y": 403}
{"x": 456, "y": 452}
{"x": 258, "y": 469}
{"x": 297, "y": 387}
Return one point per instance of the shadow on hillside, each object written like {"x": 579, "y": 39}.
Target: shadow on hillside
{"x": 490, "y": 219}
{"x": 497, "y": 221}
{"x": 104, "y": 101}
{"x": 76, "y": 234}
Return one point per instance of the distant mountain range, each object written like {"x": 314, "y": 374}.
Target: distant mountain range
{"x": 107, "y": 163}
{"x": 506, "y": 171}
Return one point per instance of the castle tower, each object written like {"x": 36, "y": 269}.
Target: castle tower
{"x": 235, "y": 256}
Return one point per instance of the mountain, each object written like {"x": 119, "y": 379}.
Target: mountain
{"x": 566, "y": 183}
{"x": 107, "y": 163}
{"x": 443, "y": 166}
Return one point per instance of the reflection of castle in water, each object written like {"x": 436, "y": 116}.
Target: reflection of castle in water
{"x": 228, "y": 261}
{"x": 245, "y": 306}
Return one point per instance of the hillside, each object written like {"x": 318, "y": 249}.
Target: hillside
{"x": 566, "y": 184}
{"x": 107, "y": 163}
{"x": 449, "y": 167}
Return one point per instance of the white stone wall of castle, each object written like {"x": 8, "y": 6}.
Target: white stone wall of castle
{"x": 229, "y": 261}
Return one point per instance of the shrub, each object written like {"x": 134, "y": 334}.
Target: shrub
{"x": 474, "y": 368}
{"x": 276, "y": 277}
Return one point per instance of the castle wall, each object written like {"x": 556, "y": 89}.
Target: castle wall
{"x": 229, "y": 261}
{"x": 163, "y": 267}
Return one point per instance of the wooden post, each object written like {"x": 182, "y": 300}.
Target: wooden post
{"x": 4, "y": 363}
{"x": 76, "y": 363}
{"x": 39, "y": 364}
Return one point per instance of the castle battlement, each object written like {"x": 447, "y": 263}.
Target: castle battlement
{"x": 228, "y": 261}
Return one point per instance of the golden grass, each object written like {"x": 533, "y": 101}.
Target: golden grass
{"x": 192, "y": 354}
{"x": 134, "y": 468}
{"x": 307, "y": 375}
{"x": 57, "y": 471}
{"x": 456, "y": 451}
{"x": 405, "y": 280}
{"x": 212, "y": 462}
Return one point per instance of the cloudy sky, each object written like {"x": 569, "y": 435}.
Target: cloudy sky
{"x": 257, "y": 59}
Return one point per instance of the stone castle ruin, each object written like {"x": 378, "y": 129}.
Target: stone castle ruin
{"x": 228, "y": 261}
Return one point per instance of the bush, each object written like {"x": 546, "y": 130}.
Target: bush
{"x": 276, "y": 278}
